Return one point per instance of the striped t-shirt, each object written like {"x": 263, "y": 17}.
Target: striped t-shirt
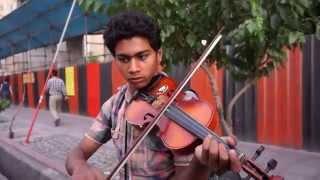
{"x": 56, "y": 86}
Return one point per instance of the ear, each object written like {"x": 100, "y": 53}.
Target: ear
{"x": 159, "y": 55}
{"x": 159, "y": 58}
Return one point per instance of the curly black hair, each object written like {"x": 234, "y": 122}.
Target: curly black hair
{"x": 129, "y": 24}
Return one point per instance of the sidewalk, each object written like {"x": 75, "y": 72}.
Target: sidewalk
{"x": 50, "y": 145}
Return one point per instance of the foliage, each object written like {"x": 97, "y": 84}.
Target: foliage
{"x": 256, "y": 32}
{"x": 4, "y": 103}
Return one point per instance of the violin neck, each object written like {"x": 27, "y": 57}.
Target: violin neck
{"x": 175, "y": 114}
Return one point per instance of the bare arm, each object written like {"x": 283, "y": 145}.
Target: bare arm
{"x": 76, "y": 163}
{"x": 10, "y": 89}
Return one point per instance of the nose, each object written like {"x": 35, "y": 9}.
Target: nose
{"x": 134, "y": 66}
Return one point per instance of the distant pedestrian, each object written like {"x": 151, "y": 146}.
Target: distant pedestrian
{"x": 57, "y": 94}
{"x": 5, "y": 89}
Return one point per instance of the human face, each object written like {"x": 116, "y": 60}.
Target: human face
{"x": 137, "y": 61}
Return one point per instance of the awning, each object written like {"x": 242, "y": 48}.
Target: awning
{"x": 39, "y": 23}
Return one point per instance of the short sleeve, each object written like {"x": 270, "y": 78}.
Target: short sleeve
{"x": 100, "y": 130}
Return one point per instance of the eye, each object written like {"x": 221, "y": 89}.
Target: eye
{"x": 143, "y": 57}
{"x": 123, "y": 59}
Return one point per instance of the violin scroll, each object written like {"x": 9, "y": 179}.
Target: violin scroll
{"x": 255, "y": 172}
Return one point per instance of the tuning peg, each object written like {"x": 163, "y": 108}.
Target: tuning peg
{"x": 254, "y": 157}
{"x": 257, "y": 153}
{"x": 272, "y": 164}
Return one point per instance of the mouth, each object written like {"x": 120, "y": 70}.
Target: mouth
{"x": 136, "y": 79}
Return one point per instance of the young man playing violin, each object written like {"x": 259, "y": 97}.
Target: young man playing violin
{"x": 134, "y": 41}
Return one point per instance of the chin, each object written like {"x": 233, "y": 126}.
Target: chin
{"x": 138, "y": 86}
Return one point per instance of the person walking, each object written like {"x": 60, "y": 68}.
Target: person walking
{"x": 57, "y": 94}
{"x": 6, "y": 90}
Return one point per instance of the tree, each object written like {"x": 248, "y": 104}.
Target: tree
{"x": 256, "y": 33}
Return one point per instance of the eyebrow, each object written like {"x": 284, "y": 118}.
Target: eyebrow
{"x": 138, "y": 53}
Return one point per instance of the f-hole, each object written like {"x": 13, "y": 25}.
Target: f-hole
{"x": 146, "y": 116}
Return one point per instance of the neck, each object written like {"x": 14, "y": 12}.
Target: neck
{"x": 131, "y": 89}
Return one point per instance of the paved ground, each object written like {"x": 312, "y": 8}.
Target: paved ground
{"x": 52, "y": 143}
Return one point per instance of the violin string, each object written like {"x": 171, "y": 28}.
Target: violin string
{"x": 175, "y": 113}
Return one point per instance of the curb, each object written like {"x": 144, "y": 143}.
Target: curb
{"x": 17, "y": 162}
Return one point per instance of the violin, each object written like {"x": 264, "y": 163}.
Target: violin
{"x": 185, "y": 121}
{"x": 180, "y": 113}
{"x": 186, "y": 113}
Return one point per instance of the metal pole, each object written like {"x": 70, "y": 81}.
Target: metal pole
{"x": 36, "y": 112}
{"x": 85, "y": 39}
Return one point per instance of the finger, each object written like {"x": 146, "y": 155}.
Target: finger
{"x": 205, "y": 149}
{"x": 231, "y": 140}
{"x": 198, "y": 153}
{"x": 214, "y": 155}
{"x": 235, "y": 139}
{"x": 223, "y": 158}
{"x": 235, "y": 164}
{"x": 156, "y": 104}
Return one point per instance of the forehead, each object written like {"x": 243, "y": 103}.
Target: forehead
{"x": 132, "y": 46}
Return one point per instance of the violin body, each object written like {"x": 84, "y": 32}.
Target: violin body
{"x": 173, "y": 135}
{"x": 176, "y": 137}
{"x": 141, "y": 112}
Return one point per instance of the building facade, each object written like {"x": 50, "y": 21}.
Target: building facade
{"x": 78, "y": 50}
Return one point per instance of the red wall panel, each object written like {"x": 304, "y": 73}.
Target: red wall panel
{"x": 261, "y": 109}
{"x": 41, "y": 77}
{"x": 117, "y": 79}
{"x": 20, "y": 87}
{"x": 30, "y": 95}
{"x": 295, "y": 124}
{"x": 93, "y": 87}
{"x": 14, "y": 86}
{"x": 279, "y": 111}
